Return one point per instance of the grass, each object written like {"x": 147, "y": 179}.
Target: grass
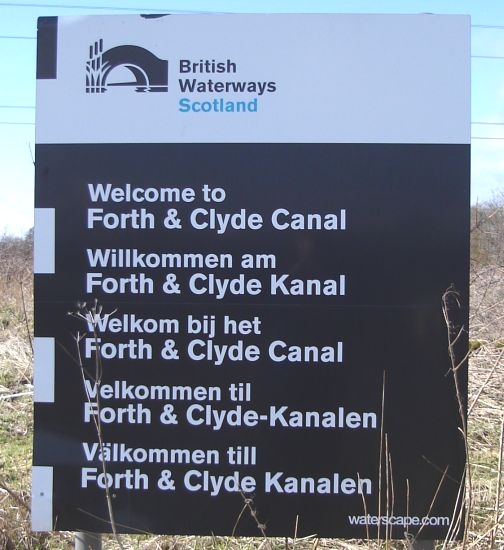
{"x": 16, "y": 404}
{"x": 486, "y": 402}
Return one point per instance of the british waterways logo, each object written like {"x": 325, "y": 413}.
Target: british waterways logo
{"x": 126, "y": 65}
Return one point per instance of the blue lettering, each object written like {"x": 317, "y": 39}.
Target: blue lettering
{"x": 219, "y": 105}
{"x": 184, "y": 105}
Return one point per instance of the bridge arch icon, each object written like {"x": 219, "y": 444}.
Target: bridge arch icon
{"x": 138, "y": 67}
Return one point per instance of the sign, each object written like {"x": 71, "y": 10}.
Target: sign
{"x": 245, "y": 226}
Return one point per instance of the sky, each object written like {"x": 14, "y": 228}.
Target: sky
{"x": 18, "y": 24}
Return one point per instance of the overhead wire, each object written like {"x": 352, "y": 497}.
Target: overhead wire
{"x": 500, "y": 27}
{"x": 72, "y": 7}
{"x": 18, "y": 37}
{"x": 141, "y": 9}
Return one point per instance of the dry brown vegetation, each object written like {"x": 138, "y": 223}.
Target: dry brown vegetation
{"x": 485, "y": 424}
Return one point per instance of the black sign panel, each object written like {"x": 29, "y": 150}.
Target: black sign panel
{"x": 251, "y": 336}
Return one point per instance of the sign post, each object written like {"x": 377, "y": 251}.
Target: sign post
{"x": 244, "y": 229}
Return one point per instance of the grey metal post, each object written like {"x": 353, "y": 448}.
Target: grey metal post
{"x": 88, "y": 541}
{"x": 423, "y": 545}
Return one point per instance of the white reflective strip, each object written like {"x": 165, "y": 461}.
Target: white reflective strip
{"x": 43, "y": 370}
{"x": 42, "y": 498}
{"x": 44, "y": 238}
